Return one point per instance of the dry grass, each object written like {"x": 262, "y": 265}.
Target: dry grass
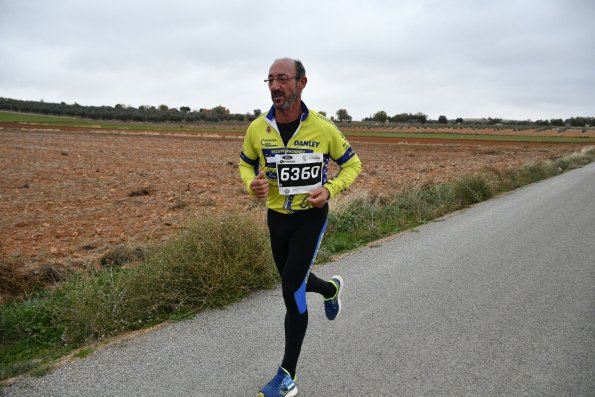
{"x": 17, "y": 280}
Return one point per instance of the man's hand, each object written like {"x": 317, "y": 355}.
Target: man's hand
{"x": 260, "y": 185}
{"x": 318, "y": 197}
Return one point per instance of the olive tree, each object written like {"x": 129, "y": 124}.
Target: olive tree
{"x": 343, "y": 116}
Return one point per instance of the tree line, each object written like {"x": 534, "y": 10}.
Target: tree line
{"x": 421, "y": 118}
{"x": 119, "y": 112}
{"x": 163, "y": 113}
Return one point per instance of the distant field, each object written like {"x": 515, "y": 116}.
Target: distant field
{"x": 478, "y": 136}
{"x": 62, "y": 121}
{"x": 484, "y": 133}
{"x": 13, "y": 117}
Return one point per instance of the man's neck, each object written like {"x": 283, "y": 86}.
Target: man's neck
{"x": 289, "y": 115}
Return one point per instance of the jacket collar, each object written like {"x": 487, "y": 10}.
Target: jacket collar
{"x": 305, "y": 112}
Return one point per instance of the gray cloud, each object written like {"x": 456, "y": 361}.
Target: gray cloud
{"x": 512, "y": 59}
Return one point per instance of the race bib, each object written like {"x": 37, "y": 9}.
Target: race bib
{"x": 299, "y": 173}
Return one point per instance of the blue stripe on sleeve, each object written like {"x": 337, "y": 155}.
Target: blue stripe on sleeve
{"x": 349, "y": 153}
{"x": 248, "y": 160}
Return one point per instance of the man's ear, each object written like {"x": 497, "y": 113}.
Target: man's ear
{"x": 302, "y": 82}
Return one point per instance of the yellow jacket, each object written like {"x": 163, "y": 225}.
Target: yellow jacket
{"x": 315, "y": 134}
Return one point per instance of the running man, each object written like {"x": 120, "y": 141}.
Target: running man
{"x": 285, "y": 159}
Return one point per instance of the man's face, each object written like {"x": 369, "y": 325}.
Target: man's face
{"x": 284, "y": 93}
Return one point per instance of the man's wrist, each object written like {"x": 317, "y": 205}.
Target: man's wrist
{"x": 330, "y": 195}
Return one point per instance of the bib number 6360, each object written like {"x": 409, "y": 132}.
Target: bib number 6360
{"x": 300, "y": 172}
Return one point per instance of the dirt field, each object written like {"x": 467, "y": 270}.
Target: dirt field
{"x": 68, "y": 197}
{"x": 574, "y": 132}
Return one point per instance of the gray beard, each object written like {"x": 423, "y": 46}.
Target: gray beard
{"x": 288, "y": 103}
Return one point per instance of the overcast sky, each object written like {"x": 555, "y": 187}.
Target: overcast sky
{"x": 514, "y": 59}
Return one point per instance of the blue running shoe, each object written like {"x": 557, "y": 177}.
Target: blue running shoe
{"x": 280, "y": 386}
{"x": 332, "y": 306}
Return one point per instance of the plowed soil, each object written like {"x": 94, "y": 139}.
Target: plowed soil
{"x": 69, "y": 196}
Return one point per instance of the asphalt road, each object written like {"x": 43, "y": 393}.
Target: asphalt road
{"x": 495, "y": 300}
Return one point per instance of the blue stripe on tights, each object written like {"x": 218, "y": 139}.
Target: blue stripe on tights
{"x": 300, "y": 294}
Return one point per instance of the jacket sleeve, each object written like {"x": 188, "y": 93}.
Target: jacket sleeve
{"x": 342, "y": 153}
{"x": 249, "y": 162}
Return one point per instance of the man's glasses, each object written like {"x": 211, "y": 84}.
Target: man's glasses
{"x": 280, "y": 79}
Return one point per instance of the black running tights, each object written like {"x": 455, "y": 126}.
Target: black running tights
{"x": 295, "y": 239}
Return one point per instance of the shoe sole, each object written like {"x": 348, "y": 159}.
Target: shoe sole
{"x": 292, "y": 393}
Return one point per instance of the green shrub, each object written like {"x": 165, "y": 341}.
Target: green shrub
{"x": 426, "y": 202}
{"x": 27, "y": 336}
{"x": 471, "y": 189}
{"x": 584, "y": 157}
{"x": 354, "y": 220}
{"x": 537, "y": 172}
{"x": 213, "y": 262}
{"x": 361, "y": 218}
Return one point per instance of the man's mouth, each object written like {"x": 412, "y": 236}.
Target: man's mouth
{"x": 278, "y": 95}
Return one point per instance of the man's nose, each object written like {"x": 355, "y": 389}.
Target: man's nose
{"x": 274, "y": 84}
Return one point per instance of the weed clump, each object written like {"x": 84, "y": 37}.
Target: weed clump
{"x": 471, "y": 189}
{"x": 214, "y": 261}
{"x": 122, "y": 254}
{"x": 12, "y": 278}
{"x": 17, "y": 280}
{"x": 144, "y": 191}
